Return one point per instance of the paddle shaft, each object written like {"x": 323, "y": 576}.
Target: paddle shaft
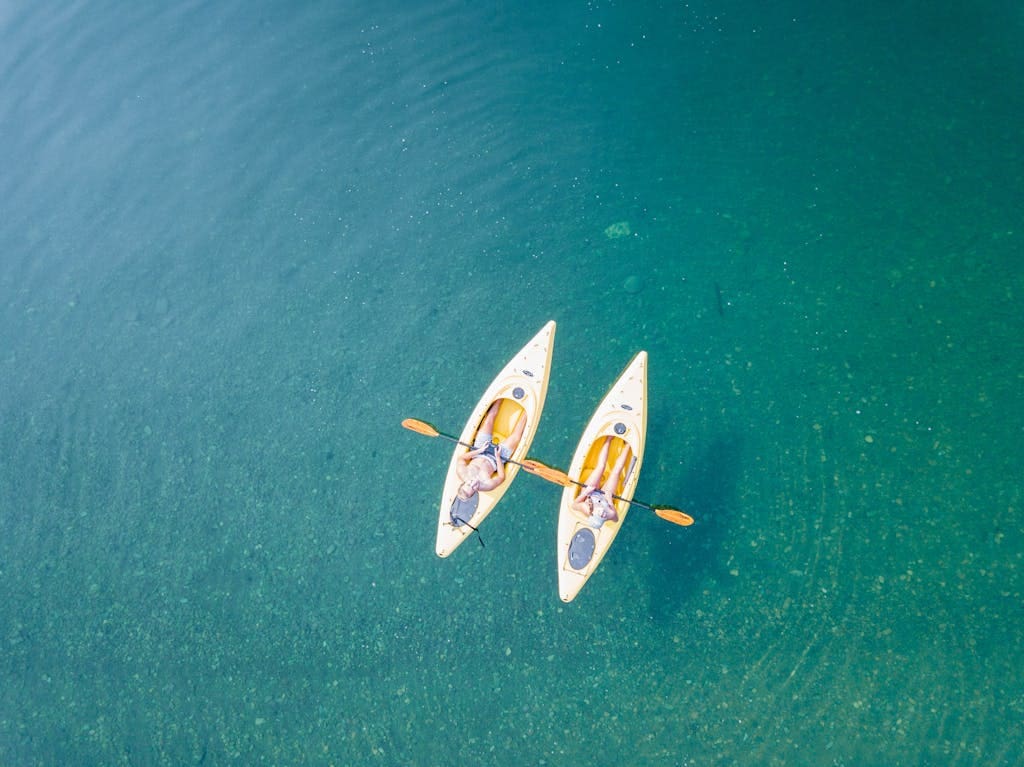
{"x": 458, "y": 441}
{"x": 561, "y": 478}
{"x": 617, "y": 497}
{"x": 672, "y": 515}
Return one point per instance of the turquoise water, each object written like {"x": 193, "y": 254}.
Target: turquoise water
{"x": 239, "y": 243}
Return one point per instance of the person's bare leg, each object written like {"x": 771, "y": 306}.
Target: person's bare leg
{"x": 594, "y": 480}
{"x": 611, "y": 487}
{"x": 517, "y": 432}
{"x": 492, "y": 412}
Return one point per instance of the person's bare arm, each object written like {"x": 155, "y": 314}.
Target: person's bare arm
{"x": 578, "y": 504}
{"x": 469, "y": 455}
{"x": 497, "y": 479}
{"x": 490, "y": 484}
{"x": 587, "y": 490}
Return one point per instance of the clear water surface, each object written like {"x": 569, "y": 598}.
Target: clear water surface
{"x": 239, "y": 242}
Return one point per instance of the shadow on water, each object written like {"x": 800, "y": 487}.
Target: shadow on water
{"x": 682, "y": 562}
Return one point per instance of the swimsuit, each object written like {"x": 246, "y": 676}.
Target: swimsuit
{"x": 598, "y": 503}
{"x": 491, "y": 451}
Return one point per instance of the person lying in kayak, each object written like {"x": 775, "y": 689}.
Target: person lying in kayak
{"x": 594, "y": 502}
{"x": 483, "y": 467}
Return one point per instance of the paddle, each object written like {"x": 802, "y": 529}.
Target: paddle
{"x": 668, "y": 513}
{"x": 424, "y": 428}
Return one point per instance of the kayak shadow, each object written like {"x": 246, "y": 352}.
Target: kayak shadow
{"x": 681, "y": 560}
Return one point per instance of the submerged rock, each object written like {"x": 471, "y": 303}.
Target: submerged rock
{"x": 617, "y": 230}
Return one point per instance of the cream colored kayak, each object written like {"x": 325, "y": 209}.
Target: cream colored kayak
{"x": 623, "y": 415}
{"x": 521, "y": 387}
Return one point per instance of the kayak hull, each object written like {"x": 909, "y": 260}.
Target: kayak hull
{"x": 622, "y": 414}
{"x": 522, "y": 388}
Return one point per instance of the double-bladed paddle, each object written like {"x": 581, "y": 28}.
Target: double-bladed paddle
{"x": 424, "y": 428}
{"x": 668, "y": 513}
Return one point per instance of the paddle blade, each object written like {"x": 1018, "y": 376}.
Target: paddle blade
{"x": 675, "y": 516}
{"x": 546, "y": 472}
{"x": 420, "y": 427}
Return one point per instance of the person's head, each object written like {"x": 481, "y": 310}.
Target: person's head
{"x": 468, "y": 489}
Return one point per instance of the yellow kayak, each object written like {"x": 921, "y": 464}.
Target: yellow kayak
{"x": 519, "y": 391}
{"x": 584, "y": 539}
